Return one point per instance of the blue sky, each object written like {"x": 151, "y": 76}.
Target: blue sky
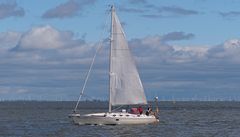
{"x": 186, "y": 49}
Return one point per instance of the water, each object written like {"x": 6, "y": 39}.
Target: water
{"x": 183, "y": 119}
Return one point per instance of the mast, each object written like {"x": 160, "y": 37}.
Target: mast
{"x": 110, "y": 60}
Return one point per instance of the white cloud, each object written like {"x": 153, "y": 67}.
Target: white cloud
{"x": 156, "y": 49}
{"x": 232, "y": 44}
{"x": 9, "y": 39}
{"x": 44, "y": 37}
{"x": 44, "y": 45}
{"x": 150, "y": 45}
{"x": 184, "y": 54}
{"x": 228, "y": 52}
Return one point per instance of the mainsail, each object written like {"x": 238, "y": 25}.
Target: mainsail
{"x": 125, "y": 84}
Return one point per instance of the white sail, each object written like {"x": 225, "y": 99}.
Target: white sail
{"x": 125, "y": 84}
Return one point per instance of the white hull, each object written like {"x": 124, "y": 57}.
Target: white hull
{"x": 115, "y": 118}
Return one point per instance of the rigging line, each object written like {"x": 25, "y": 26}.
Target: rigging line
{"x": 94, "y": 57}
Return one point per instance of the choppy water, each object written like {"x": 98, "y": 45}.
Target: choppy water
{"x": 183, "y": 119}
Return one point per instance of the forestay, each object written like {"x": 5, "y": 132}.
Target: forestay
{"x": 125, "y": 84}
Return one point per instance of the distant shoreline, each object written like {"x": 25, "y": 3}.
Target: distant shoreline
{"x": 103, "y": 105}
{"x": 107, "y": 101}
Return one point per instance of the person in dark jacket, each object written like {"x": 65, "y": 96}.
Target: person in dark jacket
{"x": 149, "y": 110}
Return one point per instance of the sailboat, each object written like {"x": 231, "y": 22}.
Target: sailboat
{"x": 125, "y": 86}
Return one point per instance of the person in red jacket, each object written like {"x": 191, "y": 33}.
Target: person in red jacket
{"x": 140, "y": 110}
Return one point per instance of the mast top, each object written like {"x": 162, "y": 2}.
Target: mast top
{"x": 112, "y": 8}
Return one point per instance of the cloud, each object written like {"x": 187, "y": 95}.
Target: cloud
{"x": 167, "y": 11}
{"x": 52, "y": 63}
{"x": 177, "y": 10}
{"x": 137, "y": 1}
{"x": 131, "y": 10}
{"x": 44, "y": 45}
{"x": 228, "y": 52}
{"x": 160, "y": 42}
{"x": 10, "y": 10}
{"x": 157, "y": 48}
{"x": 44, "y": 37}
{"x": 9, "y": 39}
{"x": 153, "y": 16}
{"x": 231, "y": 14}
{"x": 69, "y": 9}
{"x": 148, "y": 10}
{"x": 173, "y": 36}
{"x": 150, "y": 45}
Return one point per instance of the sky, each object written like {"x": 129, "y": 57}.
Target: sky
{"x": 185, "y": 50}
